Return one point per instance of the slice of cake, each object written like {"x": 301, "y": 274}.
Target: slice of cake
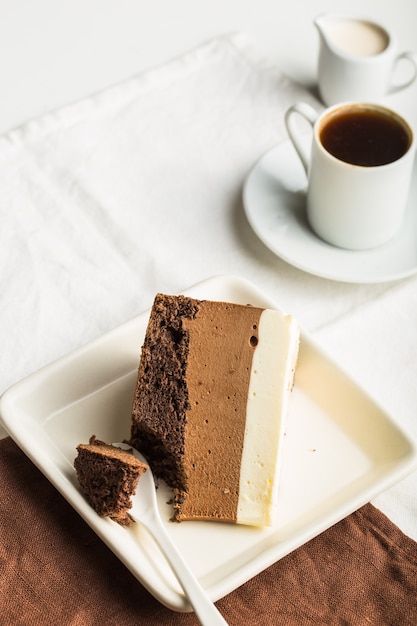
{"x": 109, "y": 477}
{"x": 210, "y": 405}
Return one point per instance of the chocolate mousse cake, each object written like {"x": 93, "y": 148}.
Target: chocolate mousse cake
{"x": 210, "y": 404}
{"x": 108, "y": 477}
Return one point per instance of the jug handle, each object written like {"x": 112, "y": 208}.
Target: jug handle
{"x": 412, "y": 58}
{"x": 306, "y": 111}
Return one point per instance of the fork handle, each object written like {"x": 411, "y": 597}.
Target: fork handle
{"x": 203, "y": 607}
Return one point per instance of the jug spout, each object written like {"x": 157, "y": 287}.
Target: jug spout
{"x": 319, "y": 23}
{"x": 322, "y": 24}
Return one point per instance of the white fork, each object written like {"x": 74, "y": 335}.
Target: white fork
{"x": 145, "y": 511}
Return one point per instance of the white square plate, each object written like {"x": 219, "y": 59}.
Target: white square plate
{"x": 341, "y": 450}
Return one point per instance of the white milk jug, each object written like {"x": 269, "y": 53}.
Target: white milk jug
{"x": 358, "y": 59}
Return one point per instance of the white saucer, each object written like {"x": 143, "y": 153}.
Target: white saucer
{"x": 274, "y": 203}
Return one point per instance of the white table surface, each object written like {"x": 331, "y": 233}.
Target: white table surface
{"x": 54, "y": 53}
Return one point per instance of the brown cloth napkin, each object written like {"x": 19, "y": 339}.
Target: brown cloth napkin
{"x": 54, "y": 570}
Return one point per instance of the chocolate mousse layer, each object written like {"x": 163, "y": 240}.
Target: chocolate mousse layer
{"x": 222, "y": 339}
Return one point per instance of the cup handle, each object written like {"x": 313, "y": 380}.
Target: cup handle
{"x": 306, "y": 111}
{"x": 411, "y": 58}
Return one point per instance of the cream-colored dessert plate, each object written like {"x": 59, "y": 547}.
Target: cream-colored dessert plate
{"x": 274, "y": 203}
{"x": 341, "y": 450}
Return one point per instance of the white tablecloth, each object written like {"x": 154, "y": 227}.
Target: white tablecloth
{"x": 138, "y": 190}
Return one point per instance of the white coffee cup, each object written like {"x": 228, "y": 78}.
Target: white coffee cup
{"x": 350, "y": 205}
{"x": 359, "y": 60}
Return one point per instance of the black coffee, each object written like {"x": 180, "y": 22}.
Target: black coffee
{"x": 364, "y": 137}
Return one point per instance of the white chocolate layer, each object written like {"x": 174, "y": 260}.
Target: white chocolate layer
{"x": 267, "y": 407}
